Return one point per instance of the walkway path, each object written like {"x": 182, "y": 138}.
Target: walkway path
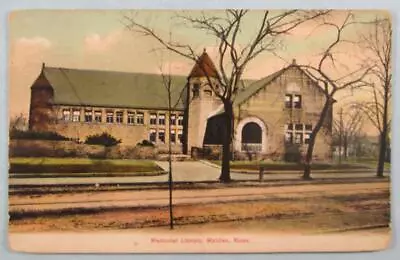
{"x": 187, "y": 171}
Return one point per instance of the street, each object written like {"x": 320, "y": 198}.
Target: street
{"x": 237, "y": 219}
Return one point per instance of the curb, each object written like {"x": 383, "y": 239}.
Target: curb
{"x": 84, "y": 175}
{"x": 31, "y": 189}
{"x": 366, "y": 170}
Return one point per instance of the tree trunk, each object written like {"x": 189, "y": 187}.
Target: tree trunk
{"x": 383, "y": 135}
{"x": 313, "y": 138}
{"x": 340, "y": 135}
{"x": 308, "y": 159}
{"x": 225, "y": 176}
{"x": 382, "y": 152}
{"x": 345, "y": 146}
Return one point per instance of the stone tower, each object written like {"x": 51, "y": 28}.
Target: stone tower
{"x": 202, "y": 100}
{"x": 40, "y": 110}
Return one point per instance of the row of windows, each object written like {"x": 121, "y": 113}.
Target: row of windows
{"x": 118, "y": 117}
{"x": 160, "y": 119}
{"x": 298, "y": 133}
{"x": 175, "y": 136}
{"x": 292, "y": 101}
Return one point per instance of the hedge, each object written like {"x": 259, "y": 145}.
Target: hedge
{"x": 33, "y": 135}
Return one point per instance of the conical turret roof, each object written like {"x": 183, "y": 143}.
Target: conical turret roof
{"x": 41, "y": 80}
{"x": 204, "y": 67}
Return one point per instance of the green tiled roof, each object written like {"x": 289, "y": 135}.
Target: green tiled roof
{"x": 114, "y": 89}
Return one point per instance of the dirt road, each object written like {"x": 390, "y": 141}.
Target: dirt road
{"x": 159, "y": 198}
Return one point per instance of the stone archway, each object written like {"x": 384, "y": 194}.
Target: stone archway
{"x": 251, "y": 135}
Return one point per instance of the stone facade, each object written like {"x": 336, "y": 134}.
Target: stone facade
{"x": 270, "y": 116}
{"x": 142, "y": 123}
{"x": 267, "y": 108}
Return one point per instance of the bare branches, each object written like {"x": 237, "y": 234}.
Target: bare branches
{"x": 322, "y": 70}
{"x": 377, "y": 43}
{"x": 233, "y": 53}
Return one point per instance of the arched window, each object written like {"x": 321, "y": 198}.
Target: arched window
{"x": 251, "y": 133}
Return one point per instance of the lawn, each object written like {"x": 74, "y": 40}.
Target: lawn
{"x": 284, "y": 166}
{"x": 80, "y": 165}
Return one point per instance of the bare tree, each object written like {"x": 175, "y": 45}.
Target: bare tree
{"x": 377, "y": 43}
{"x": 323, "y": 74}
{"x": 233, "y": 57}
{"x": 172, "y": 104}
{"x": 347, "y": 128}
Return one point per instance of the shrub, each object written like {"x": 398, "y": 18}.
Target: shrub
{"x": 104, "y": 139}
{"x": 33, "y": 135}
{"x": 145, "y": 143}
{"x": 292, "y": 153}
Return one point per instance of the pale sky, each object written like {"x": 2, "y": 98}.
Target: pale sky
{"x": 98, "y": 40}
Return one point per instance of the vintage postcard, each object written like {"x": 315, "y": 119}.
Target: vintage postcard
{"x": 198, "y": 131}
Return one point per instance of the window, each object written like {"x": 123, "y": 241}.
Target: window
{"x": 119, "y": 117}
{"x": 196, "y": 90}
{"x": 88, "y": 116}
{"x": 76, "y": 114}
{"x": 207, "y": 93}
{"x": 307, "y": 137}
{"x": 161, "y": 135}
{"x": 153, "y": 119}
{"x": 180, "y": 120}
{"x": 66, "y": 115}
{"x": 173, "y": 136}
{"x": 289, "y": 137}
{"x": 298, "y": 133}
{"x": 307, "y": 133}
{"x": 152, "y": 136}
{"x": 172, "y": 119}
{"x": 110, "y": 117}
{"x": 97, "y": 116}
{"x": 161, "y": 119}
{"x": 140, "y": 118}
{"x": 292, "y": 101}
{"x": 288, "y": 101}
{"x": 131, "y": 118}
{"x": 297, "y": 101}
{"x": 298, "y": 138}
{"x": 180, "y": 136}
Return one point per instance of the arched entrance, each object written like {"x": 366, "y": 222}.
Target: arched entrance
{"x": 251, "y": 135}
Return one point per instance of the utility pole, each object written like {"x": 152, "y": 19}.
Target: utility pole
{"x": 170, "y": 184}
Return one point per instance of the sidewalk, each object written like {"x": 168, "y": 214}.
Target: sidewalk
{"x": 184, "y": 172}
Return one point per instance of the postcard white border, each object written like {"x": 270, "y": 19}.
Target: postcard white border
{"x": 8, "y": 5}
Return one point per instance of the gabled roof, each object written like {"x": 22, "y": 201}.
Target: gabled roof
{"x": 113, "y": 89}
{"x": 256, "y": 86}
{"x": 204, "y": 67}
